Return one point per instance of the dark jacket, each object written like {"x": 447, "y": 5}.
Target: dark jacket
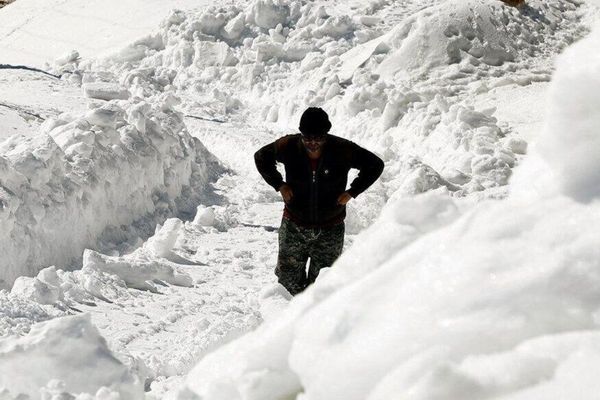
{"x": 315, "y": 194}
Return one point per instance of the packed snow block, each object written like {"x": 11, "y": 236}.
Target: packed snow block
{"x": 266, "y": 49}
{"x": 234, "y": 28}
{"x": 36, "y": 290}
{"x": 161, "y": 245}
{"x": 211, "y": 23}
{"x": 105, "y": 91}
{"x": 205, "y": 216}
{"x": 269, "y": 13}
{"x": 68, "y": 349}
{"x": 213, "y": 53}
{"x": 139, "y": 273}
{"x": 165, "y": 237}
{"x": 357, "y": 56}
{"x": 335, "y": 27}
{"x": 105, "y": 116}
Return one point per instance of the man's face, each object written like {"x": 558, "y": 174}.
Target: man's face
{"x": 313, "y": 144}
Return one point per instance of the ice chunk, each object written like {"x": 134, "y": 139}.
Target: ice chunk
{"x": 36, "y": 290}
{"x": 234, "y": 28}
{"x": 105, "y": 91}
{"x": 269, "y": 13}
{"x": 205, "y": 216}
{"x": 210, "y": 53}
{"x": 71, "y": 56}
{"x": 138, "y": 273}
{"x": 163, "y": 241}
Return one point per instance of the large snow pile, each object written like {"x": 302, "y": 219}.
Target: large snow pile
{"x": 75, "y": 359}
{"x": 84, "y": 177}
{"x": 499, "y": 301}
{"x": 400, "y": 86}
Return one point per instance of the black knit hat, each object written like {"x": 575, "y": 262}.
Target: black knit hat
{"x": 314, "y": 122}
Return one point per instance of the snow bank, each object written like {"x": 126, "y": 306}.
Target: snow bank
{"x": 570, "y": 142}
{"x": 71, "y": 351}
{"x": 497, "y": 301}
{"x": 84, "y": 177}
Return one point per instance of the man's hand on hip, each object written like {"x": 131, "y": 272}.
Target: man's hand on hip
{"x": 344, "y": 198}
{"x": 286, "y": 192}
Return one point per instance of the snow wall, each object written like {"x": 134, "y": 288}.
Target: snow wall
{"x": 435, "y": 302}
{"x": 85, "y": 179}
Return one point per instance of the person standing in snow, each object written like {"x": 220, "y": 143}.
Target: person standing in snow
{"x": 315, "y": 195}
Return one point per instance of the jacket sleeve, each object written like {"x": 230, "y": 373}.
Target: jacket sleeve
{"x": 369, "y": 166}
{"x": 266, "y": 162}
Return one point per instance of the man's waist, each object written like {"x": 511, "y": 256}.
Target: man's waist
{"x": 325, "y": 221}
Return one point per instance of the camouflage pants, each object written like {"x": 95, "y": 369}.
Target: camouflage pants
{"x": 297, "y": 244}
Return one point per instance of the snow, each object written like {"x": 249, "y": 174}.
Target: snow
{"x": 138, "y": 274}
{"x": 71, "y": 351}
{"x": 29, "y": 98}
{"x": 205, "y": 216}
{"x": 34, "y": 32}
{"x": 470, "y": 267}
{"x": 573, "y": 113}
{"x": 105, "y": 91}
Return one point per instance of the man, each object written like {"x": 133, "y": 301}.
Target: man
{"x": 316, "y": 169}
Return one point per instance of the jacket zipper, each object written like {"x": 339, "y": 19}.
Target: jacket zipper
{"x": 316, "y": 187}
{"x": 314, "y": 199}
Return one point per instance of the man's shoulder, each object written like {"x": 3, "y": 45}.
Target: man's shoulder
{"x": 340, "y": 142}
{"x": 291, "y": 136}
{"x": 285, "y": 141}
{"x": 337, "y": 139}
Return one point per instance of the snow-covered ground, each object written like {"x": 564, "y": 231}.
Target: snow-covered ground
{"x": 34, "y": 32}
{"x": 469, "y": 271}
